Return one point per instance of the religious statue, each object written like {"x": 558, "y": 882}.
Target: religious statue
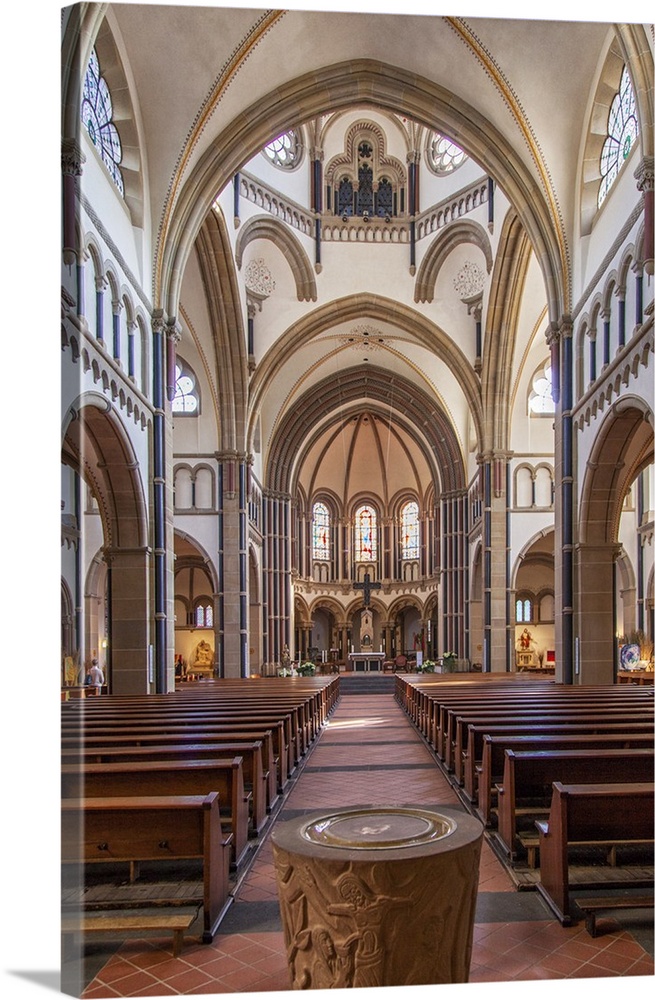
{"x": 204, "y": 655}
{"x": 286, "y": 657}
{"x": 525, "y": 640}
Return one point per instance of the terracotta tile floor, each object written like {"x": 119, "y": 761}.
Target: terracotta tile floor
{"x": 370, "y": 754}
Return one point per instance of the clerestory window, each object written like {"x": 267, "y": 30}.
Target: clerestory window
{"x": 410, "y": 530}
{"x": 97, "y": 113}
{"x": 366, "y": 542}
{"x": 321, "y": 531}
{"x": 284, "y": 151}
{"x": 443, "y": 155}
{"x": 622, "y": 132}
{"x": 185, "y": 400}
{"x": 540, "y": 400}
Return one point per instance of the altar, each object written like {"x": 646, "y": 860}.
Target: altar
{"x": 366, "y": 661}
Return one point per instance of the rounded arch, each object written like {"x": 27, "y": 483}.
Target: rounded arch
{"x": 629, "y": 47}
{"x": 337, "y": 87}
{"x": 403, "y": 602}
{"x": 623, "y": 447}
{"x": 203, "y": 558}
{"x": 329, "y": 605}
{"x": 301, "y": 609}
{"x": 456, "y": 234}
{"x": 528, "y": 551}
{"x": 97, "y": 446}
{"x": 262, "y": 227}
{"x": 89, "y": 26}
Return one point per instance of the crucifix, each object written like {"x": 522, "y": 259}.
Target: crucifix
{"x": 367, "y": 587}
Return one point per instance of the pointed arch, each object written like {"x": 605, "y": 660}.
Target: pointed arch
{"x": 505, "y": 296}
{"x": 223, "y": 300}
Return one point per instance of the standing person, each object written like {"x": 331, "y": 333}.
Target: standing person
{"x": 96, "y": 676}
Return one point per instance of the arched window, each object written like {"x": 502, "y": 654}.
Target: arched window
{"x": 284, "y": 151}
{"x": 321, "y": 531}
{"x": 97, "y": 113}
{"x": 524, "y": 609}
{"x": 366, "y": 539}
{"x": 540, "y": 401}
{"x": 204, "y": 614}
{"x": 409, "y": 530}
{"x": 185, "y": 399}
{"x": 622, "y": 132}
{"x": 443, "y": 155}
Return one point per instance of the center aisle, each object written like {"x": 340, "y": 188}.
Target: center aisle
{"x": 368, "y": 754}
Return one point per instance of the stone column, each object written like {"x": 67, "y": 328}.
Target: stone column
{"x": 278, "y": 611}
{"x": 232, "y": 652}
{"x": 129, "y": 652}
{"x": 645, "y": 176}
{"x": 72, "y": 159}
{"x": 595, "y": 615}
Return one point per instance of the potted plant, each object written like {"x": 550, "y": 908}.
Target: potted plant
{"x": 306, "y": 669}
{"x": 427, "y": 667}
{"x": 448, "y": 661}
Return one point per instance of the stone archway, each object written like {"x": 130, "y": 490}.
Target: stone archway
{"x": 97, "y": 447}
{"x": 623, "y": 447}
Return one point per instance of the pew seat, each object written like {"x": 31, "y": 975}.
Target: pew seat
{"x": 592, "y": 907}
{"x": 584, "y": 814}
{"x": 120, "y": 924}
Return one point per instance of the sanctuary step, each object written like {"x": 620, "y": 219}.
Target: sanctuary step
{"x": 373, "y": 682}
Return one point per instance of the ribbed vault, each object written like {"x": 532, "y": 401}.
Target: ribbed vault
{"x": 364, "y": 387}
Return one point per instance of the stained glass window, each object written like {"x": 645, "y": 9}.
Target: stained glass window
{"x": 409, "y": 530}
{"x": 384, "y": 199}
{"x": 541, "y": 395}
{"x": 622, "y": 132}
{"x": 285, "y": 150}
{"x": 366, "y": 541}
{"x": 365, "y": 195}
{"x": 345, "y": 197}
{"x": 443, "y": 155}
{"x": 97, "y": 113}
{"x": 321, "y": 531}
{"x": 186, "y": 395}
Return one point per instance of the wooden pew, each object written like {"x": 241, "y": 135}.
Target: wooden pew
{"x": 286, "y": 740}
{"x": 255, "y": 780}
{"x": 595, "y": 813}
{"x": 78, "y": 746}
{"x": 163, "y": 828}
{"x": 146, "y": 779}
{"x": 536, "y": 713}
{"x": 477, "y": 733}
{"x": 454, "y": 719}
{"x": 528, "y": 777}
{"x": 433, "y": 720}
{"x": 163, "y": 730}
{"x": 494, "y": 746}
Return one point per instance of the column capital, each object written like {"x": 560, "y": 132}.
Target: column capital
{"x": 72, "y": 157}
{"x": 157, "y": 320}
{"x": 173, "y": 330}
{"x": 645, "y": 174}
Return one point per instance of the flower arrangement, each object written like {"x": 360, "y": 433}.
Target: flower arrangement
{"x": 448, "y": 660}
{"x": 306, "y": 669}
{"x": 427, "y": 667}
